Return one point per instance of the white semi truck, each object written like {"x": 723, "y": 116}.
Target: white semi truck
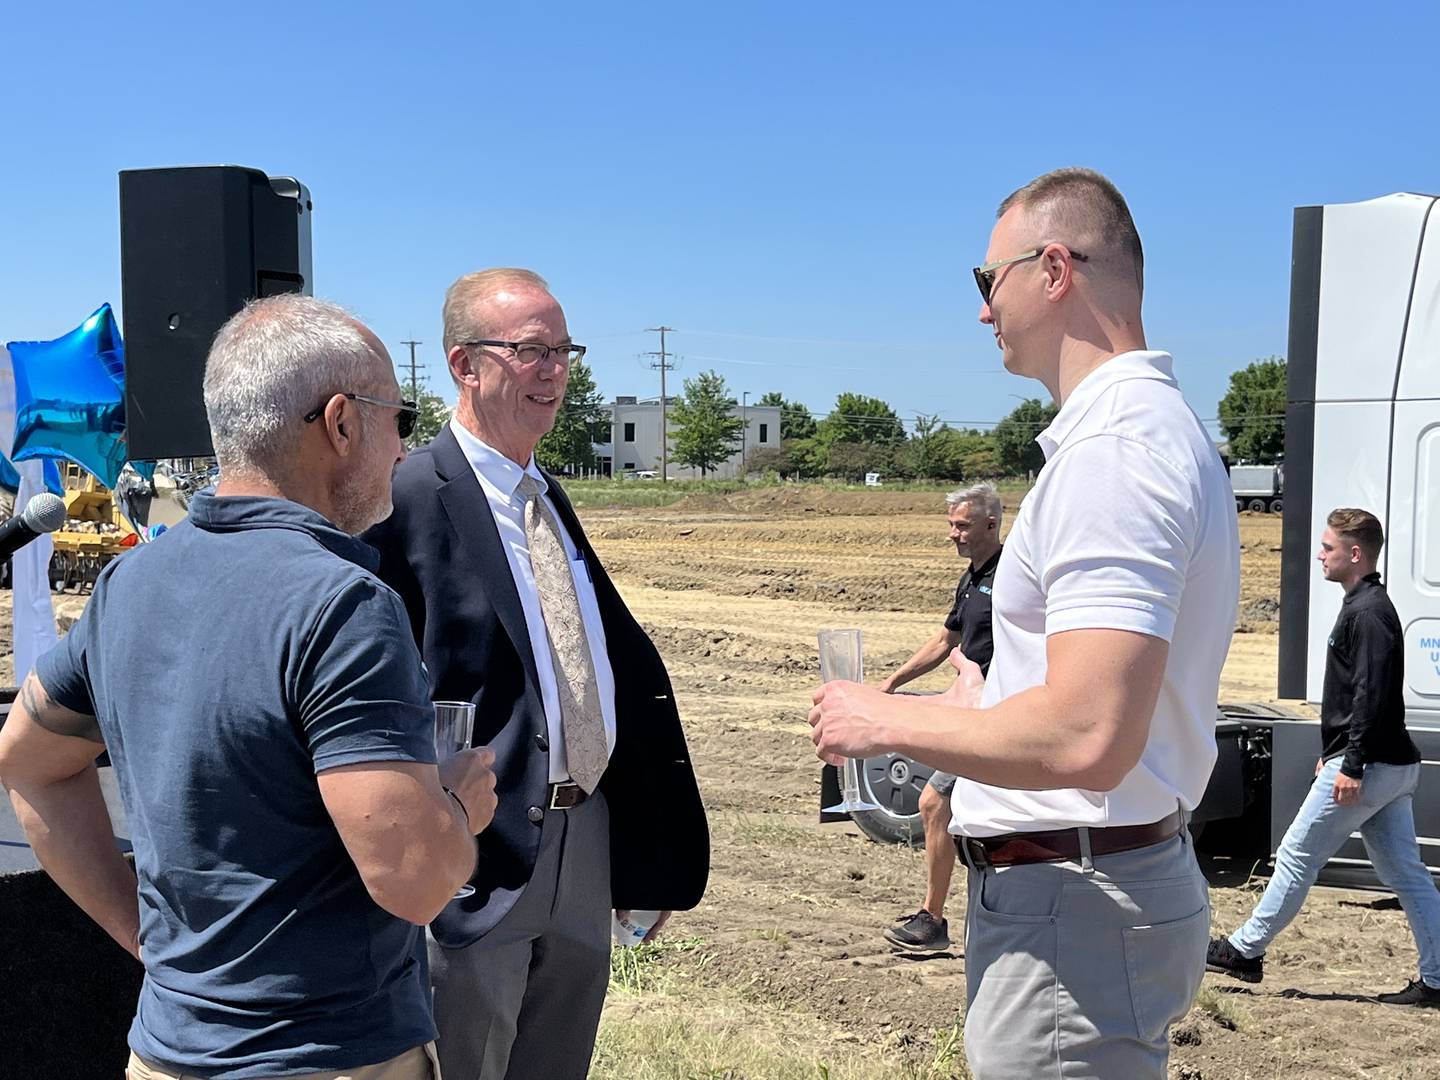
{"x": 1362, "y": 428}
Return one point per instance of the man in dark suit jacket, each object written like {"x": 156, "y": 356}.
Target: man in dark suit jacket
{"x": 478, "y": 548}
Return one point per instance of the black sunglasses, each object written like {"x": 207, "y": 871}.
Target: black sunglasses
{"x": 405, "y": 416}
{"x": 985, "y": 275}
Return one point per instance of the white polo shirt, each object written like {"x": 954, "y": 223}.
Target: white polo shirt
{"x": 1130, "y": 526}
{"x": 500, "y": 478}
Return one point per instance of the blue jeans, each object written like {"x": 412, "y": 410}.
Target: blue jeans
{"x": 1386, "y": 822}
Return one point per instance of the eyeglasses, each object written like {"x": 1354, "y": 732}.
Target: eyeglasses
{"x": 404, "y": 418}
{"x": 532, "y": 352}
{"x": 985, "y": 275}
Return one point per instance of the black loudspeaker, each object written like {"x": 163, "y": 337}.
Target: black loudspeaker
{"x": 70, "y": 991}
{"x": 196, "y": 244}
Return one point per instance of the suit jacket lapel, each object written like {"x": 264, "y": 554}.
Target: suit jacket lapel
{"x": 464, "y": 502}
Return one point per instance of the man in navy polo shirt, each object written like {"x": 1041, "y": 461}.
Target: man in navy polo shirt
{"x": 268, "y": 718}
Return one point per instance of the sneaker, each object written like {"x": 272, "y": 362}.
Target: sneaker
{"x": 1222, "y": 957}
{"x": 921, "y": 932}
{"x": 1415, "y": 993}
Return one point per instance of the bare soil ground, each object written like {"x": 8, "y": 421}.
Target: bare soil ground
{"x": 782, "y": 972}
{"x": 733, "y": 590}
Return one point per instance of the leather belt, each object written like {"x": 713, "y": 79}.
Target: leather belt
{"x": 1062, "y": 845}
{"x": 564, "y": 796}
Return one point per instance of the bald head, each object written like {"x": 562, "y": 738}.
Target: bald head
{"x": 1086, "y": 212}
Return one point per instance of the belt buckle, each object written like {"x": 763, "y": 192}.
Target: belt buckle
{"x": 555, "y": 790}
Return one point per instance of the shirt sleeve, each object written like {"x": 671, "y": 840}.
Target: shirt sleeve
{"x": 1115, "y": 536}
{"x": 1374, "y": 653}
{"x": 64, "y": 670}
{"x": 360, "y": 687}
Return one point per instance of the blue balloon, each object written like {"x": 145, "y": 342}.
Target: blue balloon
{"x": 70, "y": 397}
{"x": 10, "y": 479}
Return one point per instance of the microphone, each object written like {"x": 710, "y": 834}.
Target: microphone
{"x": 43, "y": 514}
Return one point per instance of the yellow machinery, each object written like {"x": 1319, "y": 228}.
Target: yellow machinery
{"x": 95, "y": 533}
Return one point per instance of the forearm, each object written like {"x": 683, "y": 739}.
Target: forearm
{"x": 427, "y": 862}
{"x": 926, "y": 659}
{"x": 69, "y": 829}
{"x": 1030, "y": 741}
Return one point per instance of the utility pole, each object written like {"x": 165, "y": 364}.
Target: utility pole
{"x": 414, "y": 367}
{"x": 744, "y": 430}
{"x": 663, "y": 366}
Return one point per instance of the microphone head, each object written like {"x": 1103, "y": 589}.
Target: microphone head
{"x": 45, "y": 512}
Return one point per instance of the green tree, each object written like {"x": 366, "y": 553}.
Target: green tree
{"x": 434, "y": 413}
{"x": 1015, "y": 444}
{"x": 977, "y": 455}
{"x": 808, "y": 456}
{"x": 860, "y": 419}
{"x": 706, "y": 429}
{"x": 580, "y": 423}
{"x": 852, "y": 460}
{"x": 1252, "y": 412}
{"x": 795, "y": 419}
{"x": 924, "y": 447}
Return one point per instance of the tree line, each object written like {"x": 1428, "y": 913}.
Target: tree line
{"x": 862, "y": 434}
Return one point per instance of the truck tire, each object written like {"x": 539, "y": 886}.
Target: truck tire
{"x": 1277, "y": 506}
{"x": 893, "y": 782}
{"x": 1257, "y": 505}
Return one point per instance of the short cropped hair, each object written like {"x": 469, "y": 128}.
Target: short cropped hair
{"x": 1358, "y": 527}
{"x": 274, "y": 361}
{"x": 1081, "y": 208}
{"x": 983, "y": 496}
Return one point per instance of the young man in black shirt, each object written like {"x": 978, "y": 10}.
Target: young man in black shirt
{"x": 1365, "y": 778}
{"x": 974, "y": 517}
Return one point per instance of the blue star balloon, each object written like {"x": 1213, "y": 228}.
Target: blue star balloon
{"x": 70, "y": 397}
{"x": 10, "y": 479}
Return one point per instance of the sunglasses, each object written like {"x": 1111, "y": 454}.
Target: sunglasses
{"x": 405, "y": 416}
{"x": 985, "y": 275}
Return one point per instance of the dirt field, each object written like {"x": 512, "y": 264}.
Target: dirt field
{"x": 789, "y": 948}
{"x": 782, "y": 971}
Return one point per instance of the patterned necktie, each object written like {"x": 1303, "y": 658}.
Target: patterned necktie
{"x": 581, "y": 718}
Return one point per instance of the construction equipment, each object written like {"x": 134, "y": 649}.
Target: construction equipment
{"x": 95, "y": 533}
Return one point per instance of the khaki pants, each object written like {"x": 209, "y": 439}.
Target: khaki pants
{"x": 417, "y": 1064}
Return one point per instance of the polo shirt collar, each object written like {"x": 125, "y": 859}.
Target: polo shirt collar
{"x": 1130, "y": 365}
{"x": 988, "y": 566}
{"x": 497, "y": 473}
{"x": 234, "y": 513}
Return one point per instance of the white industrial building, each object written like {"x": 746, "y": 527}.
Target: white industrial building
{"x": 634, "y": 445}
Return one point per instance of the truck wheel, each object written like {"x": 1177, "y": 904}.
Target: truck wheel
{"x": 1258, "y": 505}
{"x": 893, "y": 782}
{"x": 1277, "y": 506}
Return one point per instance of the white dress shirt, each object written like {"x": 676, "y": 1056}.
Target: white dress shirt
{"x": 499, "y": 478}
{"x": 1130, "y": 526}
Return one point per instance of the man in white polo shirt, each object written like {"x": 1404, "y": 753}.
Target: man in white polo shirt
{"x": 1093, "y": 736}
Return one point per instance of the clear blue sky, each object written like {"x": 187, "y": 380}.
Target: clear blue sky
{"x": 800, "y": 189}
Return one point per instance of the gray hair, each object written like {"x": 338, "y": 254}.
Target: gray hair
{"x": 982, "y": 495}
{"x": 460, "y": 323}
{"x": 274, "y": 361}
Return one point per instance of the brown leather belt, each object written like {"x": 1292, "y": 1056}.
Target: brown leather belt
{"x": 564, "y": 796}
{"x": 1062, "y": 845}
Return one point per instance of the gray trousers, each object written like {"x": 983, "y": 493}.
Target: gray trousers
{"x": 523, "y": 1002}
{"x": 1073, "y": 974}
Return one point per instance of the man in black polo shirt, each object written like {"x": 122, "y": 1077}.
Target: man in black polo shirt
{"x": 1365, "y": 778}
{"x": 974, "y": 516}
